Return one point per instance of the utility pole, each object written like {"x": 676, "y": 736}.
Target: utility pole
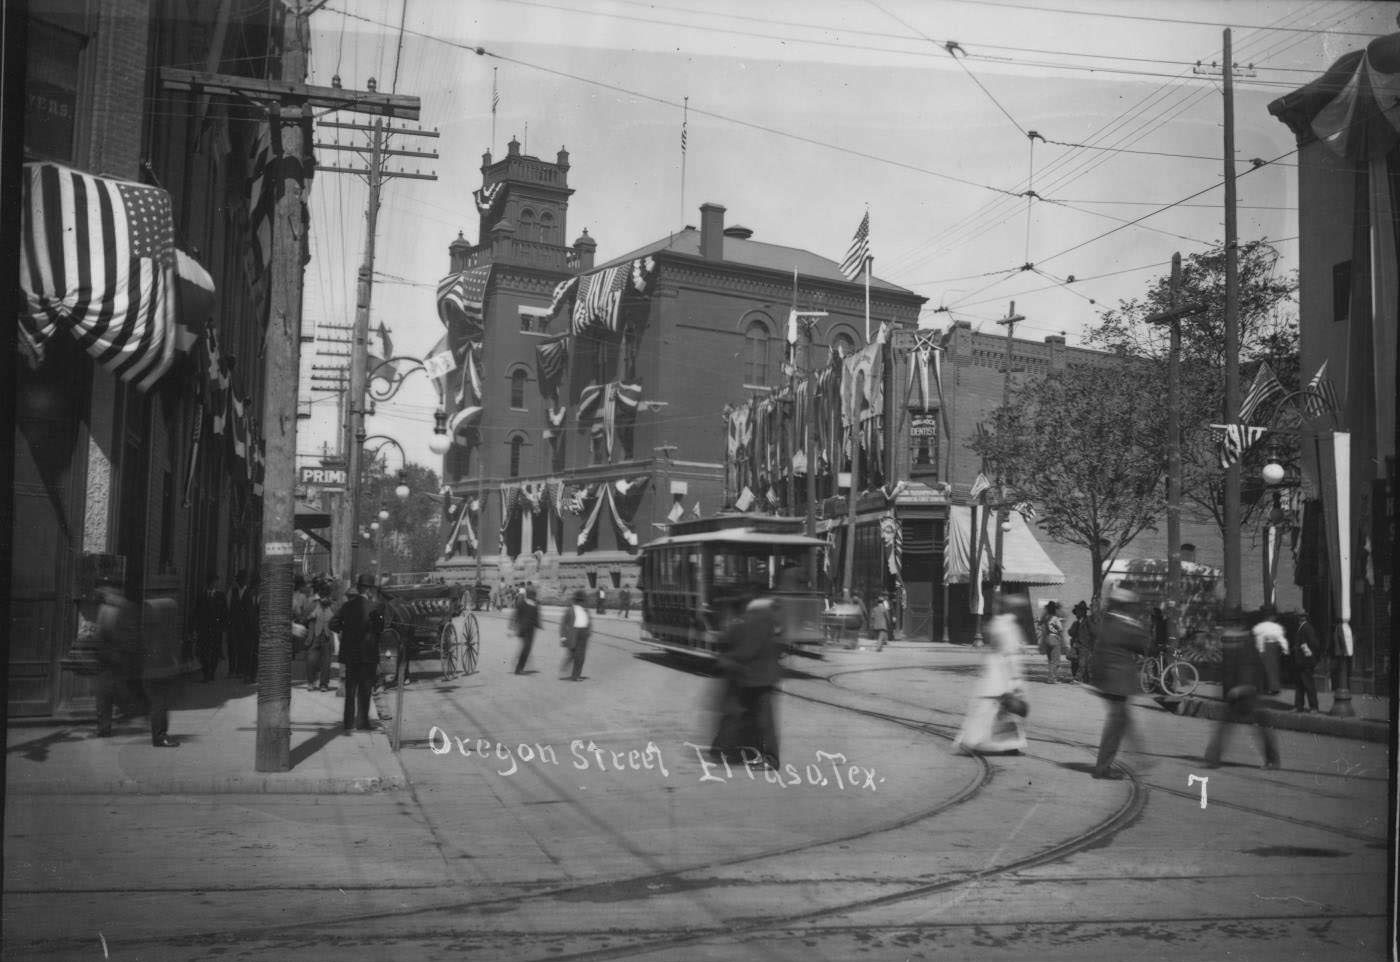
{"x": 1010, "y": 320}
{"x": 1232, "y": 324}
{"x": 289, "y": 169}
{"x": 1232, "y": 343}
{"x": 375, "y": 175}
{"x": 1172, "y": 316}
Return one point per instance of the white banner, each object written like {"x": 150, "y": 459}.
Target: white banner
{"x": 438, "y": 365}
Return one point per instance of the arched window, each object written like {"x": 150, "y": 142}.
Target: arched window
{"x": 843, "y": 345}
{"x": 756, "y": 353}
{"x": 547, "y": 228}
{"x": 517, "y": 388}
{"x": 517, "y": 443}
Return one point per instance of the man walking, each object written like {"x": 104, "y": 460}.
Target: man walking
{"x": 880, "y": 621}
{"x": 751, "y": 662}
{"x": 210, "y": 626}
{"x": 624, "y": 601}
{"x": 574, "y": 629}
{"x": 1306, "y": 651}
{"x": 525, "y": 620}
{"x": 116, "y": 650}
{"x": 360, "y": 621}
{"x": 1242, "y": 669}
{"x": 1122, "y": 639}
{"x": 1271, "y": 642}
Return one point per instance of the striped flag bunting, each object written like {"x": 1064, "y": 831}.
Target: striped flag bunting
{"x": 982, "y": 483}
{"x": 97, "y": 257}
{"x": 460, "y": 298}
{"x": 1026, "y": 510}
{"x": 1235, "y": 440}
{"x": 551, "y": 360}
{"x": 599, "y": 298}
{"x": 859, "y": 253}
{"x": 1321, "y": 396}
{"x": 1265, "y": 387}
{"x": 262, "y": 204}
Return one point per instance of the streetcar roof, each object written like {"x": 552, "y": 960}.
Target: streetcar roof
{"x": 740, "y": 536}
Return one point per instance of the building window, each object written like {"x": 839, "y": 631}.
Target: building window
{"x": 527, "y": 323}
{"x": 1341, "y": 291}
{"x": 843, "y": 345}
{"x": 756, "y": 353}
{"x": 923, "y": 446}
{"x": 517, "y": 388}
{"x": 516, "y": 443}
{"x": 546, "y": 228}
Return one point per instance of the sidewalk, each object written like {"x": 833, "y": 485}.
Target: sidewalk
{"x": 1371, "y": 721}
{"x": 216, "y": 726}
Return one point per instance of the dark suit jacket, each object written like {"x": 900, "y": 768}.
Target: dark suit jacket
{"x": 360, "y": 622}
{"x": 755, "y": 646}
{"x": 1307, "y": 635}
{"x": 571, "y": 636}
{"x": 211, "y": 615}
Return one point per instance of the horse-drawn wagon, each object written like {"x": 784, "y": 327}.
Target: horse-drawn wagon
{"x": 429, "y": 621}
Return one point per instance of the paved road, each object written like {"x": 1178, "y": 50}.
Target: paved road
{"x": 550, "y": 819}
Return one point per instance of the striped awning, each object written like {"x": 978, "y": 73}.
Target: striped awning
{"x": 1023, "y": 559}
{"x": 97, "y": 260}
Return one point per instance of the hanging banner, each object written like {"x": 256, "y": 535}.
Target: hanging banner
{"x": 1334, "y": 453}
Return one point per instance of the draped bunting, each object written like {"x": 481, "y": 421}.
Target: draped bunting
{"x": 892, "y": 534}
{"x": 487, "y": 198}
{"x": 605, "y": 299}
{"x": 926, "y": 374}
{"x": 461, "y": 308}
{"x": 463, "y": 529}
{"x": 621, "y": 499}
{"x": 97, "y": 258}
{"x": 551, "y": 361}
{"x": 614, "y": 405}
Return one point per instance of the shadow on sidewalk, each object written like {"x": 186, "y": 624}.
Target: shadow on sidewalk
{"x": 323, "y": 737}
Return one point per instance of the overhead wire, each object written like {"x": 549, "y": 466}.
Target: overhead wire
{"x": 1038, "y": 8}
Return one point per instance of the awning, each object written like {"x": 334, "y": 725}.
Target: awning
{"x": 309, "y": 517}
{"x": 97, "y": 259}
{"x": 1023, "y": 559}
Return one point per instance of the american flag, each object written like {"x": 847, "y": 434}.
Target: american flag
{"x": 97, "y": 256}
{"x": 859, "y": 252}
{"x": 459, "y": 299}
{"x": 695, "y": 511}
{"x": 1322, "y": 396}
{"x": 1266, "y": 386}
{"x": 551, "y": 358}
{"x": 262, "y": 204}
{"x": 1026, "y": 510}
{"x": 598, "y": 297}
{"x": 978, "y": 486}
{"x": 1236, "y": 439}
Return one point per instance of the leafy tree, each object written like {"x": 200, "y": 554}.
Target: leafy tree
{"x": 1268, "y": 332}
{"x": 1086, "y": 446}
{"x": 411, "y": 539}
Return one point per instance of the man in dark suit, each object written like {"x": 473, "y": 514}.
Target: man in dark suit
{"x": 1307, "y": 649}
{"x": 359, "y": 623}
{"x": 1242, "y": 668}
{"x": 750, "y": 661}
{"x": 210, "y": 624}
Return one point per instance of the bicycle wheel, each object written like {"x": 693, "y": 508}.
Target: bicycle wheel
{"x": 1180, "y": 678}
{"x": 472, "y": 645}
{"x": 447, "y": 650}
{"x": 1147, "y": 676}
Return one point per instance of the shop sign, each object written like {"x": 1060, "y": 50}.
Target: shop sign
{"x": 923, "y": 425}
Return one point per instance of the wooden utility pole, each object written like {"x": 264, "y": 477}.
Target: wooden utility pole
{"x": 1010, "y": 320}
{"x": 375, "y": 174}
{"x": 1232, "y": 343}
{"x": 1172, "y": 316}
{"x": 289, "y": 102}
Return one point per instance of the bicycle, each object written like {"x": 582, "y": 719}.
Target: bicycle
{"x": 1175, "y": 677}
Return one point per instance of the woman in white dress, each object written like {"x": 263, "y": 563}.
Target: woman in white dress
{"x": 988, "y": 728}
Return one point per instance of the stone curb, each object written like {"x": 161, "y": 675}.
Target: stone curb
{"x": 1316, "y": 723}
{"x": 232, "y": 785}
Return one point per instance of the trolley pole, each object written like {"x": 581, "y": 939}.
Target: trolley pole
{"x": 1010, "y": 320}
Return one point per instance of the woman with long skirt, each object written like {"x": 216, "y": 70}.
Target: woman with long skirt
{"x": 988, "y": 728}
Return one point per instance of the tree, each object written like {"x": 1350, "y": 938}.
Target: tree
{"x": 410, "y": 539}
{"x": 1268, "y": 333}
{"x": 1086, "y": 446}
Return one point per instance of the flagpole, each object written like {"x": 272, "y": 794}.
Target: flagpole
{"x": 685, "y": 123}
{"x": 495, "y": 99}
{"x": 867, "y": 299}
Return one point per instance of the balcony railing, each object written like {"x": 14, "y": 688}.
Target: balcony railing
{"x": 513, "y": 250}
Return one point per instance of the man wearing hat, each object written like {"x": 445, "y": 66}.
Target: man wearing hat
{"x": 1122, "y": 639}
{"x": 359, "y": 623}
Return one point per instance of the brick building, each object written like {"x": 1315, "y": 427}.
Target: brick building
{"x": 102, "y": 464}
{"x": 916, "y": 479}
{"x": 1349, "y": 308}
{"x": 585, "y": 407}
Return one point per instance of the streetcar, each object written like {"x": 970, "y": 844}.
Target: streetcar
{"x": 698, "y": 578}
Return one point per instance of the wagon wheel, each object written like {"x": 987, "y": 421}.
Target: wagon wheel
{"x": 471, "y": 644}
{"x": 447, "y": 650}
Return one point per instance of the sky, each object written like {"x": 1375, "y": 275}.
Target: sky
{"x": 936, "y": 116}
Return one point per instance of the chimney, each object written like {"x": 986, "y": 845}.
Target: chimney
{"x": 712, "y": 232}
